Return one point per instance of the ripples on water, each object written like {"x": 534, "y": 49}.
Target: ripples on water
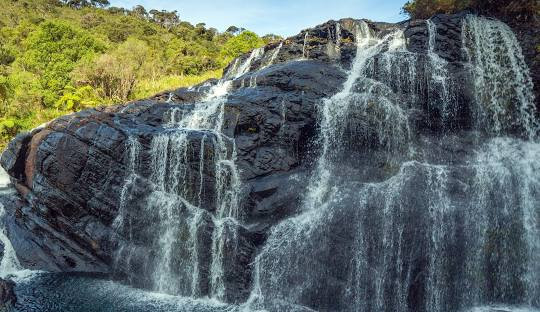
{"x": 78, "y": 293}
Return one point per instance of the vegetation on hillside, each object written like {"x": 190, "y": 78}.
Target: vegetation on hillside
{"x": 60, "y": 56}
{"x": 520, "y": 9}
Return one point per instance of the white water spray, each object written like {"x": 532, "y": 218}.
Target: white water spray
{"x": 503, "y": 85}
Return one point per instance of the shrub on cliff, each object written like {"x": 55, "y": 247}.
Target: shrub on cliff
{"x": 520, "y": 9}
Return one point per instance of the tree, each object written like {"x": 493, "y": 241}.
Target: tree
{"x": 233, "y": 30}
{"x": 6, "y": 54}
{"x": 6, "y": 88}
{"x": 91, "y": 20}
{"x": 115, "y": 74}
{"x": 522, "y": 9}
{"x": 74, "y": 99}
{"x": 165, "y": 19}
{"x": 52, "y": 53}
{"x": 86, "y": 3}
{"x": 271, "y": 38}
{"x": 140, "y": 12}
{"x": 59, "y": 56}
{"x": 117, "y": 10}
{"x": 244, "y": 42}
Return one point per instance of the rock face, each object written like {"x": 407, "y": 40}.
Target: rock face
{"x": 7, "y": 295}
{"x": 186, "y": 192}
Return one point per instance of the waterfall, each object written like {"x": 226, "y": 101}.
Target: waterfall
{"x": 194, "y": 216}
{"x": 9, "y": 264}
{"x": 170, "y": 97}
{"x": 333, "y": 47}
{"x": 504, "y": 96}
{"x": 275, "y": 54}
{"x": 246, "y": 66}
{"x": 304, "y": 48}
{"x": 280, "y": 276}
{"x": 336, "y": 110}
{"x": 439, "y": 82}
{"x": 338, "y": 34}
{"x": 430, "y": 235}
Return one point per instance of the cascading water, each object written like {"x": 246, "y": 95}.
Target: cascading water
{"x": 433, "y": 235}
{"x": 304, "y": 48}
{"x": 9, "y": 264}
{"x": 280, "y": 269}
{"x": 439, "y": 82}
{"x": 195, "y": 216}
{"x": 275, "y": 54}
{"x": 505, "y": 101}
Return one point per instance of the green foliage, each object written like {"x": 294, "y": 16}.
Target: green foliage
{"x": 271, "y": 38}
{"x": 426, "y": 8}
{"x": 6, "y": 87}
{"x": 52, "y": 52}
{"x": 240, "y": 44}
{"x": 148, "y": 86}
{"x": 78, "y": 98}
{"x": 116, "y": 73}
{"x": 522, "y": 9}
{"x": 58, "y": 57}
{"x": 86, "y": 3}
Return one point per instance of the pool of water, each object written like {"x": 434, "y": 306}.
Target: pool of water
{"x": 499, "y": 308}
{"x": 79, "y": 293}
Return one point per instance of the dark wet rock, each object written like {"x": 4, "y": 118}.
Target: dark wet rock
{"x": 7, "y": 295}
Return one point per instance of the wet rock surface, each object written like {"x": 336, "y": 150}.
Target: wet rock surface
{"x": 7, "y": 295}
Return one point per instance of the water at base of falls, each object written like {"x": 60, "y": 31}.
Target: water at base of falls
{"x": 502, "y": 309}
{"x": 79, "y": 293}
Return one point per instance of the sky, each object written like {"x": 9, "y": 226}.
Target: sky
{"x": 280, "y": 17}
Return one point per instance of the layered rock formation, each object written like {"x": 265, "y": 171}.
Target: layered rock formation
{"x": 194, "y": 192}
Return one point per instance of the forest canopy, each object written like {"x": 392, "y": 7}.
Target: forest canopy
{"x": 61, "y": 56}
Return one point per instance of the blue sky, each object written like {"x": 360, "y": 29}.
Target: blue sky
{"x": 282, "y": 17}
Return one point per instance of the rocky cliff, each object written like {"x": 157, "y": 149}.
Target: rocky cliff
{"x": 181, "y": 192}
